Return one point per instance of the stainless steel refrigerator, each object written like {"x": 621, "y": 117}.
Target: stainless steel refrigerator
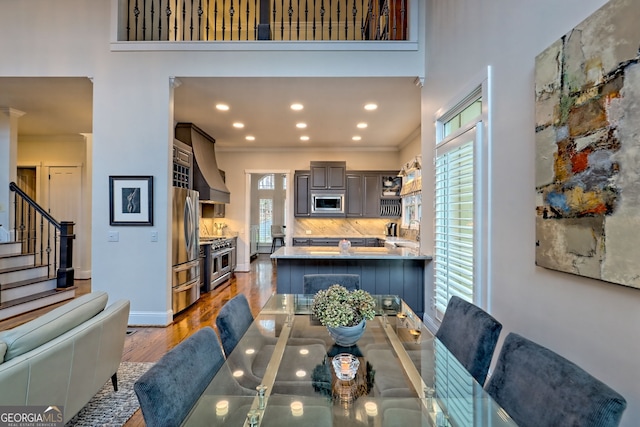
{"x": 185, "y": 253}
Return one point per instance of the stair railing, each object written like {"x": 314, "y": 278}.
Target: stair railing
{"x": 50, "y": 241}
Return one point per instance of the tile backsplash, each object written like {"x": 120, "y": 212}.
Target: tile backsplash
{"x": 341, "y": 227}
{"x": 318, "y": 227}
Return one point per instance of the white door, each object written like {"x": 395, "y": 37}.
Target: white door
{"x": 65, "y": 200}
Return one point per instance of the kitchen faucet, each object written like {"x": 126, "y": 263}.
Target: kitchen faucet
{"x": 417, "y": 229}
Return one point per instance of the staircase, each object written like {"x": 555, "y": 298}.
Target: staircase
{"x": 25, "y": 285}
{"x": 36, "y": 268}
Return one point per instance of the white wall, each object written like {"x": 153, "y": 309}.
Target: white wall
{"x": 590, "y": 322}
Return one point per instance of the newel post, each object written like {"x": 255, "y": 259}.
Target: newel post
{"x": 264, "y": 31}
{"x": 65, "y": 270}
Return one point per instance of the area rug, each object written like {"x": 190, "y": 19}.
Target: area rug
{"x": 112, "y": 408}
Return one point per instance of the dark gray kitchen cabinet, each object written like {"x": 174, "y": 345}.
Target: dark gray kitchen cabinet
{"x": 334, "y": 241}
{"x": 363, "y": 194}
{"x": 354, "y": 195}
{"x": 301, "y": 205}
{"x": 357, "y": 242}
{"x": 372, "y": 242}
{"x": 371, "y": 196}
{"x": 367, "y": 194}
{"x": 324, "y": 241}
{"x": 328, "y": 175}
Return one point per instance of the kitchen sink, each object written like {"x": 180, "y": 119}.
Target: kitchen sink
{"x": 402, "y": 244}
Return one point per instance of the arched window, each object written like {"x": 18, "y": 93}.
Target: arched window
{"x": 267, "y": 182}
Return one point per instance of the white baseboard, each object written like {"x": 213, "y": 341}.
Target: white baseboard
{"x": 150, "y": 318}
{"x": 81, "y": 274}
{"x": 243, "y": 268}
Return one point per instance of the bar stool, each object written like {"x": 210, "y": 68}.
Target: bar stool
{"x": 277, "y": 234}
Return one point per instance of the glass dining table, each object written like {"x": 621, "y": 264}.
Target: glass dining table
{"x": 287, "y": 371}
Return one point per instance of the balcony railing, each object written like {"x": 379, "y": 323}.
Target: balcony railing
{"x": 295, "y": 20}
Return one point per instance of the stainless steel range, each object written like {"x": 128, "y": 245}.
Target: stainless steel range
{"x": 220, "y": 261}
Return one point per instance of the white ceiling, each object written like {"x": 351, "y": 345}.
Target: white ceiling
{"x": 332, "y": 108}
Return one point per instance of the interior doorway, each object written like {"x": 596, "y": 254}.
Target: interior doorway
{"x": 267, "y": 207}
{"x": 65, "y": 200}
{"x": 26, "y": 179}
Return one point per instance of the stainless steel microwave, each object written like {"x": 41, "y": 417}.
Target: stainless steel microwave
{"x": 327, "y": 203}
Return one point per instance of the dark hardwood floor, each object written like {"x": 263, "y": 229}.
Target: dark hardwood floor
{"x": 148, "y": 344}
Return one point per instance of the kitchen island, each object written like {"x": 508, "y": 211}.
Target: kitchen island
{"x": 382, "y": 270}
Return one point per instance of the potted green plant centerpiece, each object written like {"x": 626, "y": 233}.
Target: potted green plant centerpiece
{"x": 343, "y": 312}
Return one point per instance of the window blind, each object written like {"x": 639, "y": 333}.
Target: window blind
{"x": 454, "y": 387}
{"x": 454, "y": 214}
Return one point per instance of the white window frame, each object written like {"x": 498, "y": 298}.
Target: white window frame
{"x": 482, "y": 166}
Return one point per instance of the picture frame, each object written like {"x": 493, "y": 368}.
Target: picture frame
{"x": 131, "y": 200}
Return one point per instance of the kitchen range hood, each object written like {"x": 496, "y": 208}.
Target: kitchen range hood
{"x": 206, "y": 175}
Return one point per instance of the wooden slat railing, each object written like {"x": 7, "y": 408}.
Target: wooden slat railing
{"x": 286, "y": 20}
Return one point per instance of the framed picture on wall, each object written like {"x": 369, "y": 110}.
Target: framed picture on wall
{"x": 131, "y": 200}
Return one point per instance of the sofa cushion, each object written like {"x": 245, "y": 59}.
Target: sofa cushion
{"x": 3, "y": 350}
{"x": 30, "y": 335}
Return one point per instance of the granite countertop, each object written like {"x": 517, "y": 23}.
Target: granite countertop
{"x": 320, "y": 252}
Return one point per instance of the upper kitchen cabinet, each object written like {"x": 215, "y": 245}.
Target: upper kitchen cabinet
{"x": 373, "y": 194}
{"x": 301, "y": 206}
{"x": 328, "y": 175}
{"x": 363, "y": 194}
{"x": 353, "y": 205}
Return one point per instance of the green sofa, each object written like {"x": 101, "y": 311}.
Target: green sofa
{"x": 65, "y": 356}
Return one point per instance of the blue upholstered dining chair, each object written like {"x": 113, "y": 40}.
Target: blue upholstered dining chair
{"x": 312, "y": 283}
{"x": 235, "y": 318}
{"x": 171, "y": 387}
{"x": 470, "y": 334}
{"x": 233, "y": 321}
{"x": 539, "y": 388}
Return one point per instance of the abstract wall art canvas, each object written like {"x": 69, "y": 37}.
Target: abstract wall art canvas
{"x": 587, "y": 92}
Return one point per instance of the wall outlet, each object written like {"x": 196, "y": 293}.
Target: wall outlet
{"x": 308, "y": 231}
{"x": 154, "y": 236}
{"x": 114, "y": 236}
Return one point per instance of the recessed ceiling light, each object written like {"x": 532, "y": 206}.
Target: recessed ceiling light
{"x": 304, "y": 138}
{"x": 222, "y": 107}
{"x": 301, "y": 125}
{"x": 362, "y": 125}
{"x": 356, "y": 138}
{"x": 370, "y": 107}
{"x": 297, "y": 107}
{"x": 238, "y": 125}
{"x": 250, "y": 138}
